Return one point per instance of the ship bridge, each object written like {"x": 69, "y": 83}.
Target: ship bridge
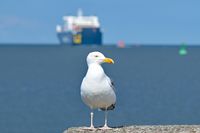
{"x": 80, "y": 21}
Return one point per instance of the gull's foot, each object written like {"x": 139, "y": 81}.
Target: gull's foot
{"x": 105, "y": 128}
{"x": 89, "y": 128}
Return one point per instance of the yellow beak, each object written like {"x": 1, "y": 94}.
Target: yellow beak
{"x": 108, "y": 60}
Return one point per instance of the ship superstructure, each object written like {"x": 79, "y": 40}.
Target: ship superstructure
{"x": 79, "y": 30}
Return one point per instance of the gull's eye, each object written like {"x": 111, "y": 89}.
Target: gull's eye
{"x": 96, "y": 56}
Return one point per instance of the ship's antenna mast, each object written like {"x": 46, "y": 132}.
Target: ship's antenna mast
{"x": 80, "y": 12}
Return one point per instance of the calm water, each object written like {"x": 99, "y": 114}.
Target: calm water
{"x": 39, "y": 87}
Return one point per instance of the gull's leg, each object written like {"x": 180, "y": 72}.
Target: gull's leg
{"x": 106, "y": 121}
{"x": 91, "y": 120}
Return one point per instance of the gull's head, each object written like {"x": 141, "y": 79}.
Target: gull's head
{"x": 98, "y": 58}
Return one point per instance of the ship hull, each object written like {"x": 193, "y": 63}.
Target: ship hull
{"x": 87, "y": 36}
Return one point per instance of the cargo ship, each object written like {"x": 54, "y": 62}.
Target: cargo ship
{"x": 80, "y": 30}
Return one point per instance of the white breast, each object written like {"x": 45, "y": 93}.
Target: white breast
{"x": 96, "y": 91}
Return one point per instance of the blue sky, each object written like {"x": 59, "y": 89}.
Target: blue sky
{"x": 134, "y": 21}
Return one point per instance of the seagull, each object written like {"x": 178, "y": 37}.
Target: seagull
{"x": 97, "y": 89}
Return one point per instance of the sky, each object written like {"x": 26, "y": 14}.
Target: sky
{"x": 133, "y": 21}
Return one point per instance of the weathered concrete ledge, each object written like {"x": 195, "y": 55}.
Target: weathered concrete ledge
{"x": 140, "y": 129}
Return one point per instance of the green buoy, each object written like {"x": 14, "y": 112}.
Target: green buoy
{"x": 183, "y": 50}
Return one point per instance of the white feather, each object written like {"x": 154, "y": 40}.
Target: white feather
{"x": 96, "y": 89}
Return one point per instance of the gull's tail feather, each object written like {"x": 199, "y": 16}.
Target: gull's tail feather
{"x": 111, "y": 107}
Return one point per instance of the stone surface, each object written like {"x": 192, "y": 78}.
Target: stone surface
{"x": 140, "y": 129}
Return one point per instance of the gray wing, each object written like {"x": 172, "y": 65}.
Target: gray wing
{"x": 112, "y": 106}
{"x": 111, "y": 83}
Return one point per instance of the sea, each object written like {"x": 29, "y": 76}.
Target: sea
{"x": 40, "y": 87}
